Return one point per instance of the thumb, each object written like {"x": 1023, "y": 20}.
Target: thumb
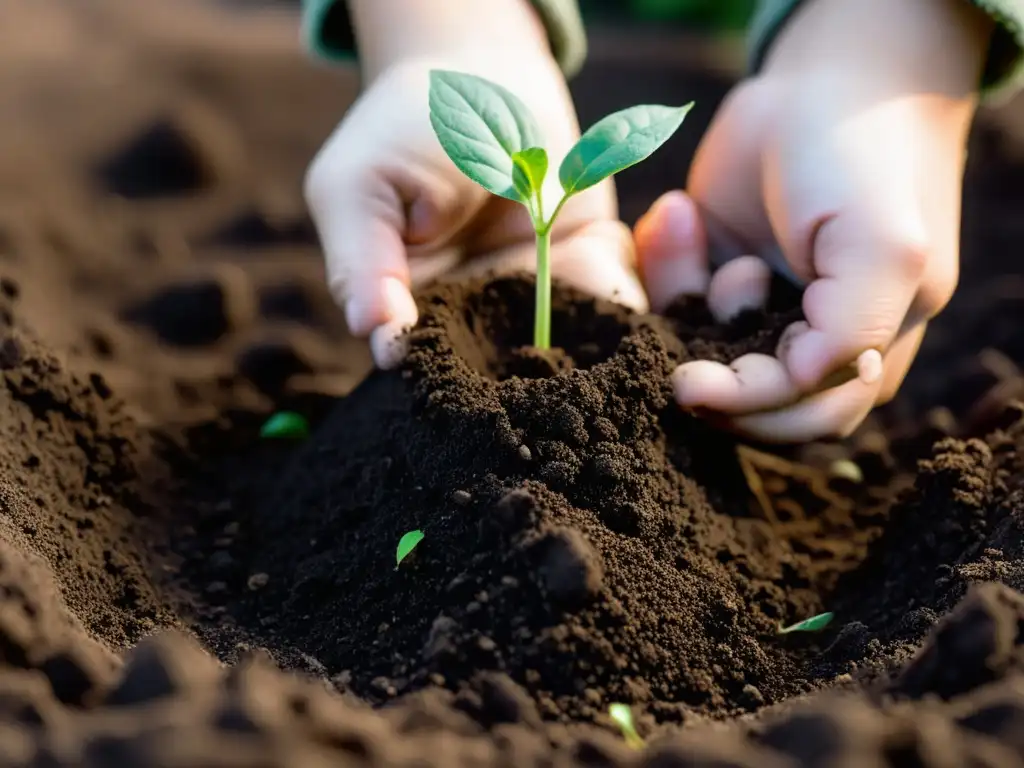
{"x": 672, "y": 250}
{"x": 361, "y": 221}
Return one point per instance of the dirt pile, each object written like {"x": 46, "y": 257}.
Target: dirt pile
{"x": 541, "y": 594}
{"x": 569, "y": 541}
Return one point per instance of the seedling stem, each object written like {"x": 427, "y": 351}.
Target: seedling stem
{"x": 542, "y": 317}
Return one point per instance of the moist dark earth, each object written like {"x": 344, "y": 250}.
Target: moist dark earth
{"x": 178, "y": 592}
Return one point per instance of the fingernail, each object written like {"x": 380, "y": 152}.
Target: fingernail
{"x": 388, "y": 345}
{"x": 683, "y": 395}
{"x": 398, "y": 303}
{"x": 673, "y": 264}
{"x": 371, "y": 304}
{"x": 869, "y": 366}
{"x": 789, "y": 335}
{"x": 388, "y": 340}
{"x": 742, "y": 284}
{"x": 678, "y": 218}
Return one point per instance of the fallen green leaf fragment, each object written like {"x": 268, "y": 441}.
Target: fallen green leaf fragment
{"x": 622, "y": 716}
{"x": 406, "y": 545}
{"x": 287, "y": 424}
{"x": 844, "y": 469}
{"x": 812, "y": 624}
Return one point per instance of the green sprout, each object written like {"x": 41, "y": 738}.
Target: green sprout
{"x": 285, "y": 424}
{"x": 406, "y": 545}
{"x": 492, "y": 137}
{"x": 622, "y": 716}
{"x": 812, "y": 624}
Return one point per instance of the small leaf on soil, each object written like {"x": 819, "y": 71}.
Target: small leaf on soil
{"x": 286, "y": 424}
{"x": 812, "y": 624}
{"x": 845, "y": 469}
{"x": 406, "y": 545}
{"x": 622, "y": 715}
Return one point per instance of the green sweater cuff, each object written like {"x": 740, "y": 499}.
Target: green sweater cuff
{"x": 327, "y": 32}
{"x": 1003, "y": 70}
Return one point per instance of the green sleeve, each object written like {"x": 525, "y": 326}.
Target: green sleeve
{"x": 1003, "y": 69}
{"x": 327, "y": 33}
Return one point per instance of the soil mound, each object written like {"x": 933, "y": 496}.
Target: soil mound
{"x": 569, "y": 542}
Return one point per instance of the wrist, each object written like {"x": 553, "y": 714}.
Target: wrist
{"x": 914, "y": 46}
{"x": 498, "y": 31}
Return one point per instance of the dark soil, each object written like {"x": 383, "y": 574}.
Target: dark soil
{"x": 569, "y": 541}
{"x": 176, "y": 592}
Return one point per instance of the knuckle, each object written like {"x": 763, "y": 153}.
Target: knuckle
{"x": 913, "y": 260}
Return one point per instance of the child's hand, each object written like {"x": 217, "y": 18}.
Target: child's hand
{"x": 392, "y": 210}
{"x": 846, "y": 153}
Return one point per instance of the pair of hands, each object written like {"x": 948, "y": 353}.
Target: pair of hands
{"x": 850, "y": 169}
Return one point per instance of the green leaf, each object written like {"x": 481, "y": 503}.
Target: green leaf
{"x": 622, "y": 716}
{"x": 406, "y": 545}
{"x": 618, "y": 141}
{"x": 285, "y": 424}
{"x": 481, "y": 125}
{"x": 529, "y": 168}
{"x": 812, "y": 624}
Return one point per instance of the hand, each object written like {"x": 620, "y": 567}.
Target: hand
{"x": 846, "y": 156}
{"x": 393, "y": 211}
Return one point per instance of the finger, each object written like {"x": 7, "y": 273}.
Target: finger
{"x": 671, "y": 250}
{"x": 388, "y": 344}
{"x": 867, "y": 367}
{"x": 756, "y": 382}
{"x": 600, "y": 259}
{"x": 360, "y": 220}
{"x": 750, "y": 383}
{"x": 739, "y": 285}
{"x": 858, "y": 301}
{"x": 833, "y": 413}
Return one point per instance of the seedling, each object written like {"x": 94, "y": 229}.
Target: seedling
{"x": 493, "y": 139}
{"x": 813, "y": 624}
{"x": 406, "y": 545}
{"x": 622, "y": 716}
{"x": 285, "y": 424}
